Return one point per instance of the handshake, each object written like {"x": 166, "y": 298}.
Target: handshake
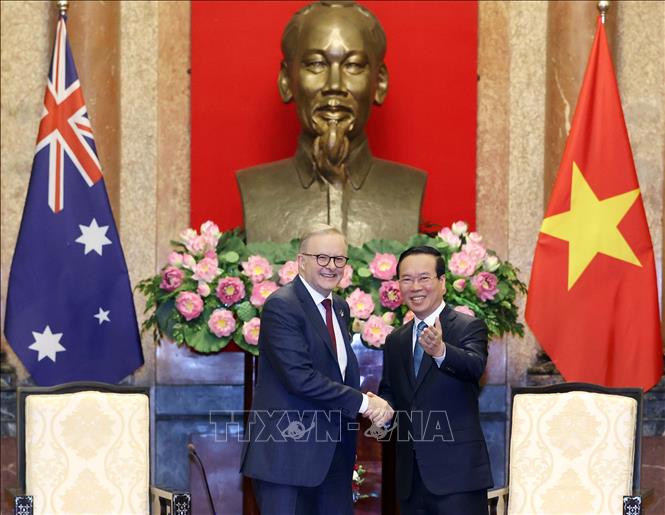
{"x": 378, "y": 410}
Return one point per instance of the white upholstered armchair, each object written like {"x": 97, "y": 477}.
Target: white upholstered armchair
{"x": 574, "y": 448}
{"x": 85, "y": 448}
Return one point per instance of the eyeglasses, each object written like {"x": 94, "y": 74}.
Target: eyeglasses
{"x": 424, "y": 280}
{"x": 324, "y": 259}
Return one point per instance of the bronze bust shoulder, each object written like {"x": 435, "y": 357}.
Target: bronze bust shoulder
{"x": 333, "y": 70}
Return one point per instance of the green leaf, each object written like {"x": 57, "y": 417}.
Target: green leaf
{"x": 245, "y": 311}
{"x": 231, "y": 256}
{"x": 204, "y": 341}
{"x": 364, "y": 272}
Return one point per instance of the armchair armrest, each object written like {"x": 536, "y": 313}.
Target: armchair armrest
{"x": 21, "y": 503}
{"x": 497, "y": 501}
{"x": 165, "y": 501}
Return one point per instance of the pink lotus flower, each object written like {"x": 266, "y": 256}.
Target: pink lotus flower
{"x": 360, "y": 304}
{"x": 257, "y": 268}
{"x": 383, "y": 266}
{"x": 202, "y": 244}
{"x": 251, "y": 330}
{"x": 485, "y": 285}
{"x": 171, "y": 278}
{"x": 459, "y": 284}
{"x": 187, "y": 235}
{"x": 475, "y": 250}
{"x": 452, "y": 240}
{"x": 390, "y": 295}
{"x": 206, "y": 270}
{"x": 461, "y": 264}
{"x": 345, "y": 282}
{"x": 408, "y": 317}
{"x": 230, "y": 290}
{"x": 210, "y": 254}
{"x": 188, "y": 262}
{"x": 459, "y": 228}
{"x": 288, "y": 272}
{"x": 222, "y": 323}
{"x": 474, "y": 237}
{"x": 210, "y": 228}
{"x": 261, "y": 291}
{"x": 466, "y": 310}
{"x": 203, "y": 289}
{"x": 388, "y": 317}
{"x": 189, "y": 305}
{"x": 175, "y": 259}
{"x": 375, "y": 331}
{"x": 491, "y": 263}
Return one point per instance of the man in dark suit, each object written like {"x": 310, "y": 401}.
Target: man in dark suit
{"x": 301, "y": 432}
{"x": 431, "y": 370}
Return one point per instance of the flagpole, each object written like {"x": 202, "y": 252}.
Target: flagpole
{"x": 603, "y": 7}
{"x": 62, "y": 6}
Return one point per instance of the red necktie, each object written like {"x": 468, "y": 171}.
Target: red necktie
{"x": 329, "y": 323}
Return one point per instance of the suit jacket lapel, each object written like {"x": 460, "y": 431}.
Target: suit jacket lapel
{"x": 313, "y": 314}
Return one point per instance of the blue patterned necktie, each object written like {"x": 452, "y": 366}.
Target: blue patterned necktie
{"x": 418, "y": 349}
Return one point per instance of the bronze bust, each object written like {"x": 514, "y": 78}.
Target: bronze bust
{"x": 333, "y": 70}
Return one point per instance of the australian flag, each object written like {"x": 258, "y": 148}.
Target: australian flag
{"x": 70, "y": 313}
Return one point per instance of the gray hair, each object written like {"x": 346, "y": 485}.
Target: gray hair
{"x": 316, "y": 229}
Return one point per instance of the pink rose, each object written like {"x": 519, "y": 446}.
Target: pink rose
{"x": 461, "y": 264}
{"x": 175, "y": 259}
{"x": 206, "y": 270}
{"x": 475, "y": 250}
{"x": 261, "y": 291}
{"x": 288, "y": 272}
{"x": 453, "y": 241}
{"x": 203, "y": 289}
{"x": 388, "y": 317}
{"x": 345, "y": 282}
{"x": 375, "y": 331}
{"x": 466, "y": 310}
{"x": 230, "y": 290}
{"x": 383, "y": 266}
{"x": 189, "y": 304}
{"x": 485, "y": 285}
{"x": 171, "y": 278}
{"x": 251, "y": 329}
{"x": 459, "y": 227}
{"x": 459, "y": 284}
{"x": 408, "y": 317}
{"x": 222, "y": 323}
{"x": 257, "y": 268}
{"x": 360, "y": 304}
{"x": 390, "y": 295}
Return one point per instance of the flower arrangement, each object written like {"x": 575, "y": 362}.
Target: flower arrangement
{"x": 214, "y": 285}
{"x": 358, "y": 479}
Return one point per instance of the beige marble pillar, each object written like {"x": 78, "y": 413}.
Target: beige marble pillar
{"x": 571, "y": 27}
{"x": 94, "y": 36}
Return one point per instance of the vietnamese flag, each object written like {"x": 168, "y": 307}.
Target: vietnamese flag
{"x": 593, "y": 300}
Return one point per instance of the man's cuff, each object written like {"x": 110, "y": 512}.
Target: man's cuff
{"x": 364, "y": 405}
{"x": 440, "y": 359}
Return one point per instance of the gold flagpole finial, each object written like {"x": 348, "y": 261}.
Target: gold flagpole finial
{"x": 62, "y": 6}
{"x": 603, "y": 7}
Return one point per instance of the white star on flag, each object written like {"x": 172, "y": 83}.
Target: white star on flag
{"x": 102, "y": 316}
{"x": 93, "y": 237}
{"x": 47, "y": 344}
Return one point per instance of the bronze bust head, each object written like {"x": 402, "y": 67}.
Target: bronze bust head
{"x": 333, "y": 70}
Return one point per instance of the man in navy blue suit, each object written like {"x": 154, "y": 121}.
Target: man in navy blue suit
{"x": 431, "y": 369}
{"x": 302, "y": 430}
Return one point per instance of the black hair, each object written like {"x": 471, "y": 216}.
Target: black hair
{"x": 424, "y": 249}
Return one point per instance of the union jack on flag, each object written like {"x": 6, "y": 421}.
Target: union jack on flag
{"x": 70, "y": 312}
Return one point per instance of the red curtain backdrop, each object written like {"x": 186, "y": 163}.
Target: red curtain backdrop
{"x": 428, "y": 119}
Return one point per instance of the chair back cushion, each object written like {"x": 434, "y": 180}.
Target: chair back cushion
{"x": 88, "y": 452}
{"x": 571, "y": 453}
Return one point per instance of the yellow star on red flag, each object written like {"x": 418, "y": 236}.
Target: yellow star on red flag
{"x": 591, "y": 226}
